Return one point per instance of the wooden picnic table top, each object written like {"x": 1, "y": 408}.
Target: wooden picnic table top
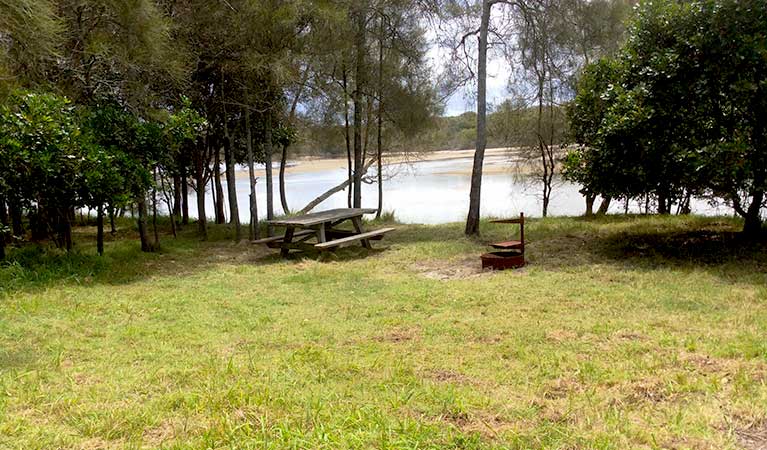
{"x": 331, "y": 215}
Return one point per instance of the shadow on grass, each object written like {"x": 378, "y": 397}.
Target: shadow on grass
{"x": 650, "y": 243}
{"x": 36, "y": 266}
{"x": 633, "y": 242}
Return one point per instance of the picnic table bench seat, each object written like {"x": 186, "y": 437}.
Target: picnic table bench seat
{"x": 352, "y": 238}
{"x": 278, "y": 239}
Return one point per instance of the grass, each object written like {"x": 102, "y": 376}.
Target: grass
{"x": 625, "y": 332}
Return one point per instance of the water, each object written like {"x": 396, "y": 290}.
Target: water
{"x": 428, "y": 192}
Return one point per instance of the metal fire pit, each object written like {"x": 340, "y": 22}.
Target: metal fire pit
{"x": 503, "y": 260}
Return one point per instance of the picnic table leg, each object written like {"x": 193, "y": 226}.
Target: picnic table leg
{"x": 285, "y": 249}
{"x": 357, "y": 222}
{"x": 321, "y": 233}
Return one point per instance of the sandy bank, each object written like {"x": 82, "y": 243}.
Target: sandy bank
{"x": 311, "y": 165}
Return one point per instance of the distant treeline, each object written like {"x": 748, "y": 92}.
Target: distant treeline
{"x": 509, "y": 125}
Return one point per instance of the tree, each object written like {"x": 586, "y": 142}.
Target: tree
{"x": 585, "y": 113}
{"x": 42, "y": 160}
{"x": 32, "y": 37}
{"x": 683, "y": 109}
{"x": 464, "y": 14}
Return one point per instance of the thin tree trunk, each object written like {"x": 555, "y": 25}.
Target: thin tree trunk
{"x": 219, "y": 192}
{"x": 284, "y": 155}
{"x": 177, "y": 198}
{"x": 3, "y": 225}
{"x": 156, "y": 236}
{"x": 590, "y": 198}
{"x": 357, "y": 98}
{"x": 269, "y": 183}
{"x": 142, "y": 227}
{"x": 752, "y": 225}
{"x": 604, "y": 205}
{"x": 663, "y": 196}
{"x": 113, "y": 228}
{"x": 100, "y": 229}
{"x": 66, "y": 229}
{"x": 172, "y": 205}
{"x": 184, "y": 195}
{"x": 472, "y": 220}
{"x": 283, "y": 162}
{"x": 201, "y": 160}
{"x": 231, "y": 182}
{"x": 348, "y": 140}
{"x": 17, "y": 225}
{"x": 379, "y": 120}
{"x": 254, "y": 230}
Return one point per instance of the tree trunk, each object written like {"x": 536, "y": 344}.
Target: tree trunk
{"x": 100, "y": 229}
{"x": 590, "y": 198}
{"x": 113, "y": 228}
{"x": 269, "y": 182}
{"x": 155, "y": 235}
{"x": 3, "y": 225}
{"x": 3, "y": 212}
{"x": 283, "y": 162}
{"x": 64, "y": 228}
{"x": 201, "y": 160}
{"x": 169, "y": 201}
{"x": 254, "y": 231}
{"x": 348, "y": 140}
{"x": 231, "y": 183}
{"x": 604, "y": 205}
{"x": 663, "y": 198}
{"x": 752, "y": 225}
{"x": 357, "y": 98}
{"x": 176, "y": 199}
{"x": 184, "y": 195}
{"x": 472, "y": 220}
{"x": 219, "y": 193}
{"x": 379, "y": 120}
{"x": 142, "y": 227}
{"x": 17, "y": 225}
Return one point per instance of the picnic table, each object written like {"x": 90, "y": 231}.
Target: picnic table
{"x": 322, "y": 227}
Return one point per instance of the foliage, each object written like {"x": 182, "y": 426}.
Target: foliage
{"x": 41, "y": 152}
{"x": 677, "y": 111}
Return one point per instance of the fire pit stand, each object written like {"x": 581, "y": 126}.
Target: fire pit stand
{"x": 510, "y": 254}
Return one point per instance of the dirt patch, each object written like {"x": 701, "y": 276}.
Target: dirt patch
{"x": 627, "y": 335}
{"x": 488, "y": 425}
{"x": 163, "y": 432}
{"x": 452, "y": 269}
{"x": 446, "y": 376}
{"x": 689, "y": 443}
{"x": 399, "y": 335}
{"x": 97, "y": 444}
{"x": 561, "y": 388}
{"x": 648, "y": 391}
{"x": 753, "y": 436}
{"x": 706, "y": 364}
{"x": 561, "y": 336}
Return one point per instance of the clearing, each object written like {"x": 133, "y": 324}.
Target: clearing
{"x": 623, "y": 332}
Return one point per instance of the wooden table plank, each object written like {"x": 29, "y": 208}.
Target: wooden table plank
{"x": 331, "y": 215}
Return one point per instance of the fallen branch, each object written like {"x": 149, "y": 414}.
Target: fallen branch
{"x": 313, "y": 204}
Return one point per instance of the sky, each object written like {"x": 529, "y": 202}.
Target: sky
{"x": 497, "y": 90}
{"x": 463, "y": 100}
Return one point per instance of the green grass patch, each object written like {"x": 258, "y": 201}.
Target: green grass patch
{"x": 622, "y": 332}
